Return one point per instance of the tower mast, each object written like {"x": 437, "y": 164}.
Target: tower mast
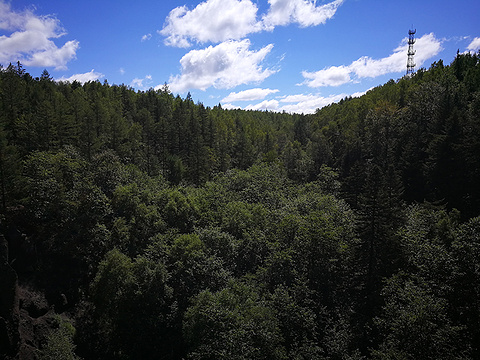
{"x": 411, "y": 52}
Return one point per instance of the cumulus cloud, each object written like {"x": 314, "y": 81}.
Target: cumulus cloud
{"x": 30, "y": 40}
{"x": 426, "y": 47}
{"x": 303, "y": 12}
{"x": 332, "y": 76}
{"x": 83, "y": 78}
{"x": 474, "y": 45}
{"x": 220, "y": 20}
{"x": 224, "y": 66}
{"x": 248, "y": 95}
{"x": 211, "y": 21}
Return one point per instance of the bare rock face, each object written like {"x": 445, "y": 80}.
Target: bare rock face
{"x": 32, "y": 303}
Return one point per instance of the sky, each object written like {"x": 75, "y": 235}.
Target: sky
{"x": 277, "y": 55}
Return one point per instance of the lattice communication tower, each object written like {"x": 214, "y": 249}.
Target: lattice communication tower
{"x": 411, "y": 52}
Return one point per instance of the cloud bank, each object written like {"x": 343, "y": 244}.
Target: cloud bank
{"x": 83, "y": 78}
{"x": 216, "y": 21}
{"x": 299, "y": 103}
{"x": 31, "y": 39}
{"x": 426, "y": 47}
{"x": 249, "y": 95}
{"x": 308, "y": 104}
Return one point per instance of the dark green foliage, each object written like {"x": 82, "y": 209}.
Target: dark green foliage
{"x": 131, "y": 308}
{"x": 168, "y": 230}
{"x": 59, "y": 343}
{"x": 234, "y": 323}
{"x": 466, "y": 281}
{"x": 415, "y": 324}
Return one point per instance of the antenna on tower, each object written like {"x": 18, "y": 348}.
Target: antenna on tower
{"x": 411, "y": 52}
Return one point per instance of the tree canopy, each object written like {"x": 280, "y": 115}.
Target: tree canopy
{"x": 158, "y": 228}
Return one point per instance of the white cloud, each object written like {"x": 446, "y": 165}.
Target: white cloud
{"x": 211, "y": 21}
{"x": 224, "y": 66}
{"x": 474, "y": 45}
{"x": 146, "y": 37}
{"x": 298, "y": 103}
{"x": 220, "y": 20}
{"x": 138, "y": 83}
{"x": 230, "y": 107}
{"x": 426, "y": 47}
{"x": 332, "y": 76}
{"x": 249, "y": 95}
{"x": 142, "y": 84}
{"x": 311, "y": 103}
{"x": 298, "y": 98}
{"x": 30, "y": 40}
{"x": 271, "y": 105}
{"x": 308, "y": 104}
{"x": 303, "y": 12}
{"x": 52, "y": 56}
{"x": 83, "y": 78}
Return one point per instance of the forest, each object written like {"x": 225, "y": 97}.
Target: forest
{"x": 143, "y": 225}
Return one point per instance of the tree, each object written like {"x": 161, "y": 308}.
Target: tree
{"x": 233, "y": 323}
{"x": 9, "y": 171}
{"x": 415, "y": 323}
{"x": 192, "y": 270}
{"x": 465, "y": 281}
{"x": 132, "y": 309}
{"x": 12, "y": 94}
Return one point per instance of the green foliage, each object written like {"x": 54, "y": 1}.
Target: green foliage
{"x": 466, "y": 281}
{"x": 220, "y": 244}
{"x": 415, "y": 324}
{"x": 298, "y": 324}
{"x": 167, "y": 229}
{"x": 59, "y": 344}
{"x": 180, "y": 211}
{"x": 132, "y": 301}
{"x": 192, "y": 269}
{"x": 234, "y": 323}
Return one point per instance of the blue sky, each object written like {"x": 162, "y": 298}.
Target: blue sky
{"x": 280, "y": 55}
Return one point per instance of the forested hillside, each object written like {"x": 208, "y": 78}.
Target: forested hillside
{"x": 140, "y": 225}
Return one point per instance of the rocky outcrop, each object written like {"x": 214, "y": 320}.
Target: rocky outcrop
{"x": 26, "y": 318}
{"x": 36, "y": 322}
